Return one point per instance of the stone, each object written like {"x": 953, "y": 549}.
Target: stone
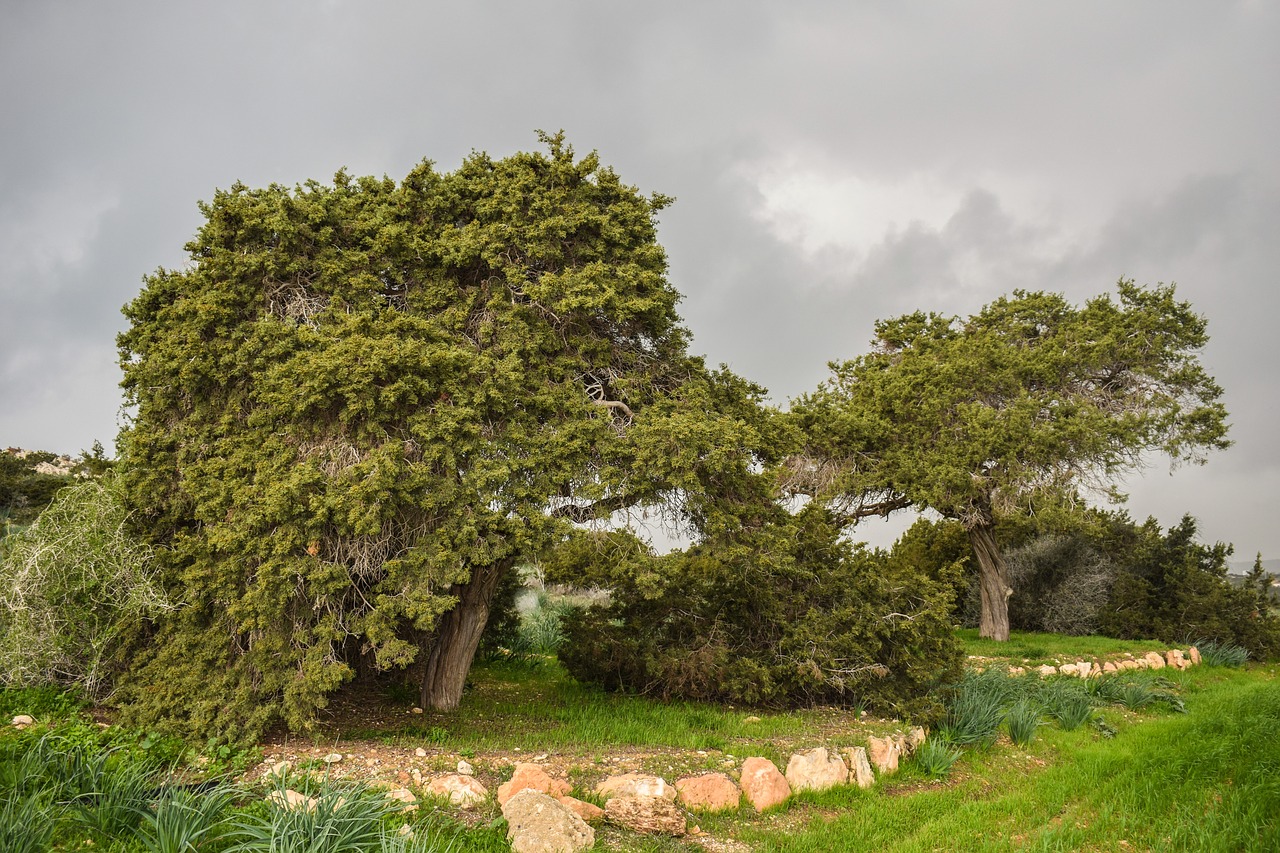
{"x": 1154, "y": 660}
{"x": 884, "y": 753}
{"x": 463, "y": 791}
{"x": 291, "y": 799}
{"x": 1017, "y": 670}
{"x": 465, "y": 768}
{"x": 21, "y": 721}
{"x": 537, "y": 823}
{"x": 763, "y": 784}
{"x": 636, "y": 785}
{"x": 1068, "y": 669}
{"x": 279, "y": 771}
{"x": 417, "y": 711}
{"x": 1109, "y": 667}
{"x": 332, "y": 758}
{"x": 531, "y": 776}
{"x": 589, "y": 812}
{"x": 1195, "y": 655}
{"x": 859, "y": 767}
{"x": 916, "y": 738}
{"x": 1174, "y": 658}
{"x": 752, "y": 719}
{"x": 405, "y": 796}
{"x": 1084, "y": 668}
{"x": 1046, "y": 670}
{"x": 420, "y": 752}
{"x": 816, "y": 770}
{"x": 646, "y": 815}
{"x": 710, "y": 792}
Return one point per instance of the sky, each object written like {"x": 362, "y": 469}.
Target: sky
{"x": 833, "y": 163}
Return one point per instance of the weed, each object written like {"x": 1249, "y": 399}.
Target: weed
{"x": 181, "y": 821}
{"x": 1214, "y": 653}
{"x": 25, "y": 824}
{"x": 977, "y": 707}
{"x": 1022, "y": 721}
{"x": 1071, "y": 712}
{"x": 936, "y": 758}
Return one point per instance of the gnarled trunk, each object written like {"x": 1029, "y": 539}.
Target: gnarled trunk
{"x": 993, "y": 583}
{"x": 458, "y": 636}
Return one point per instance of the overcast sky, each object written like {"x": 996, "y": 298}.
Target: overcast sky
{"x": 833, "y": 162}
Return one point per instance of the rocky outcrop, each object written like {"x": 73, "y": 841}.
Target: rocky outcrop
{"x": 531, "y": 777}
{"x": 859, "y": 767}
{"x": 462, "y": 791}
{"x": 536, "y": 823}
{"x": 763, "y": 784}
{"x": 636, "y": 785}
{"x": 884, "y": 753}
{"x": 646, "y": 815}
{"x": 710, "y": 792}
{"x": 589, "y": 812}
{"x": 816, "y": 770}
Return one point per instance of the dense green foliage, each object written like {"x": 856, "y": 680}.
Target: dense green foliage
{"x": 1030, "y": 397}
{"x": 783, "y": 614}
{"x": 74, "y": 589}
{"x": 1092, "y": 571}
{"x": 360, "y": 405}
{"x": 1174, "y": 588}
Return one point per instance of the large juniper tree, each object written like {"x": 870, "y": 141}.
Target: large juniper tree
{"x": 976, "y": 418}
{"x": 359, "y": 405}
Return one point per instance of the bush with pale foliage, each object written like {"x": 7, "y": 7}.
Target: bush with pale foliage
{"x": 73, "y": 588}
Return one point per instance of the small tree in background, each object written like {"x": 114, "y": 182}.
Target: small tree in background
{"x": 1259, "y": 581}
{"x": 978, "y": 418}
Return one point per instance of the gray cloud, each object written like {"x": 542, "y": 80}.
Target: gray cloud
{"x": 834, "y": 163}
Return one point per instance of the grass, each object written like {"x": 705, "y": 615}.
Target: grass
{"x": 543, "y": 709}
{"x": 1025, "y": 648}
{"x": 1205, "y": 780}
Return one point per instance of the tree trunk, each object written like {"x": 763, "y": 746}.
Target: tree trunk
{"x": 458, "y": 636}
{"x": 993, "y": 583}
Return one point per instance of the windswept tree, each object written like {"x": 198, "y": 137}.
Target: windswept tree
{"x": 977, "y": 418}
{"x": 359, "y": 405}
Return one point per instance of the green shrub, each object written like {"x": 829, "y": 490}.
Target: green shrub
{"x": 784, "y": 614}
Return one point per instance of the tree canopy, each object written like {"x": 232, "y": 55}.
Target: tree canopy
{"x": 977, "y": 418}
{"x": 359, "y": 405}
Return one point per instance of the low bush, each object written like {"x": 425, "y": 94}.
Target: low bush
{"x": 785, "y": 614}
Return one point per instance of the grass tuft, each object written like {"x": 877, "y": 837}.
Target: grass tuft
{"x": 1022, "y": 721}
{"x": 936, "y": 758}
{"x": 1213, "y": 653}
